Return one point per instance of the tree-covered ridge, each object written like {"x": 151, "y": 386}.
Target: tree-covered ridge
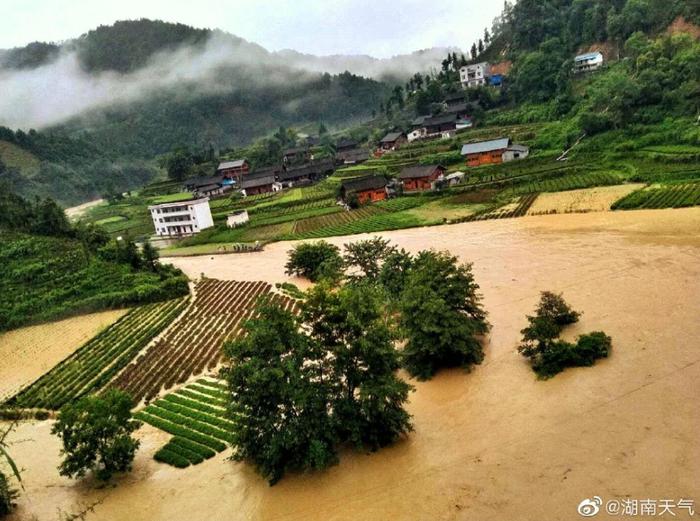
{"x": 129, "y": 44}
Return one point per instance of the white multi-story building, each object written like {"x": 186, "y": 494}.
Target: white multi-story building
{"x": 475, "y": 75}
{"x": 182, "y": 217}
{"x": 588, "y": 62}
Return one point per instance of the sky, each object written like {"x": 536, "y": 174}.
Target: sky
{"x": 380, "y": 28}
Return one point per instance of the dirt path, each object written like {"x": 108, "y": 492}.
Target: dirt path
{"x": 75, "y": 212}
{"x": 493, "y": 444}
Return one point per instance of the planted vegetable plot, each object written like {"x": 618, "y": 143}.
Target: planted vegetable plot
{"x": 194, "y": 343}
{"x": 517, "y": 208}
{"x": 94, "y": 364}
{"x": 305, "y": 227}
{"x": 665, "y": 196}
{"x": 196, "y": 417}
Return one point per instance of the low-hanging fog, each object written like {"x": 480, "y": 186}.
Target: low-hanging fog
{"x": 55, "y": 92}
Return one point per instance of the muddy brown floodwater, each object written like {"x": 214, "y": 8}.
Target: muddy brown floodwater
{"x": 492, "y": 444}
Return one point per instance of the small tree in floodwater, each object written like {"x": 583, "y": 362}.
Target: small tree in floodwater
{"x": 368, "y": 256}
{"x": 441, "y": 315}
{"x": 306, "y": 384}
{"x": 547, "y": 353}
{"x": 315, "y": 260}
{"x": 96, "y": 434}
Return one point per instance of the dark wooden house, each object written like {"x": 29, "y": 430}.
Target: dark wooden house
{"x": 392, "y": 141}
{"x": 366, "y": 189}
{"x": 233, "y": 169}
{"x": 259, "y": 182}
{"x": 421, "y": 177}
{"x": 485, "y": 152}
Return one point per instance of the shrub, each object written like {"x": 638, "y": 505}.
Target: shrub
{"x": 551, "y": 315}
{"x": 549, "y": 355}
{"x": 313, "y": 260}
{"x": 7, "y": 496}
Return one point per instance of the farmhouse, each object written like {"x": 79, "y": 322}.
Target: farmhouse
{"x": 454, "y": 178}
{"x": 353, "y": 157}
{"x": 296, "y": 155}
{"x": 392, "y": 141}
{"x": 588, "y": 62}
{"x": 421, "y": 177}
{"x": 345, "y": 144}
{"x": 237, "y": 219}
{"x": 258, "y": 182}
{"x": 366, "y": 189}
{"x": 181, "y": 218}
{"x": 515, "y": 152}
{"x": 233, "y": 169}
{"x": 474, "y": 75}
{"x": 307, "y": 173}
{"x": 493, "y": 151}
{"x": 209, "y": 186}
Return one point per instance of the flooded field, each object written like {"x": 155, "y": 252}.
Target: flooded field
{"x": 29, "y": 352}
{"x": 596, "y": 199}
{"x": 492, "y": 444}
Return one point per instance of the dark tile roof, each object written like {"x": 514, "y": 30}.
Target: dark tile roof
{"x": 252, "y": 181}
{"x": 238, "y": 163}
{"x": 359, "y": 154}
{"x": 374, "y": 182}
{"x": 391, "y": 137}
{"x": 440, "y": 119}
{"x": 208, "y": 188}
{"x": 346, "y": 143}
{"x": 203, "y": 181}
{"x": 458, "y": 108}
{"x": 415, "y": 172}
{"x": 318, "y": 167}
{"x": 296, "y": 150}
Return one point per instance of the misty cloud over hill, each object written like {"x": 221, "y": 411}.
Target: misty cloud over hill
{"x": 44, "y": 85}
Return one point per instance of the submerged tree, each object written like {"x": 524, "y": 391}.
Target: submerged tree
{"x": 350, "y": 326}
{"x": 442, "y": 315}
{"x": 277, "y": 383}
{"x": 302, "y": 385}
{"x": 96, "y": 434}
{"x": 547, "y": 353}
{"x": 315, "y": 260}
{"x": 367, "y": 256}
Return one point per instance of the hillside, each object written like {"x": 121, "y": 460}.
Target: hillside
{"x": 49, "y": 269}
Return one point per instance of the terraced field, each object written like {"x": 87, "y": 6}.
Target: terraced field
{"x": 662, "y": 196}
{"x": 305, "y": 227}
{"x": 568, "y": 182}
{"x": 516, "y": 208}
{"x": 94, "y": 364}
{"x": 193, "y": 345}
{"x": 196, "y": 417}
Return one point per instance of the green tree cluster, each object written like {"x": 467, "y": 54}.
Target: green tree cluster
{"x": 303, "y": 385}
{"x": 96, "y": 435}
{"x": 547, "y": 353}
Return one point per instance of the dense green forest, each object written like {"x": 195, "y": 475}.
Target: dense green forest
{"x": 50, "y": 268}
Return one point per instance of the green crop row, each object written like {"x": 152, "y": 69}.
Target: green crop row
{"x": 179, "y": 430}
{"x": 665, "y": 196}
{"x": 95, "y": 363}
